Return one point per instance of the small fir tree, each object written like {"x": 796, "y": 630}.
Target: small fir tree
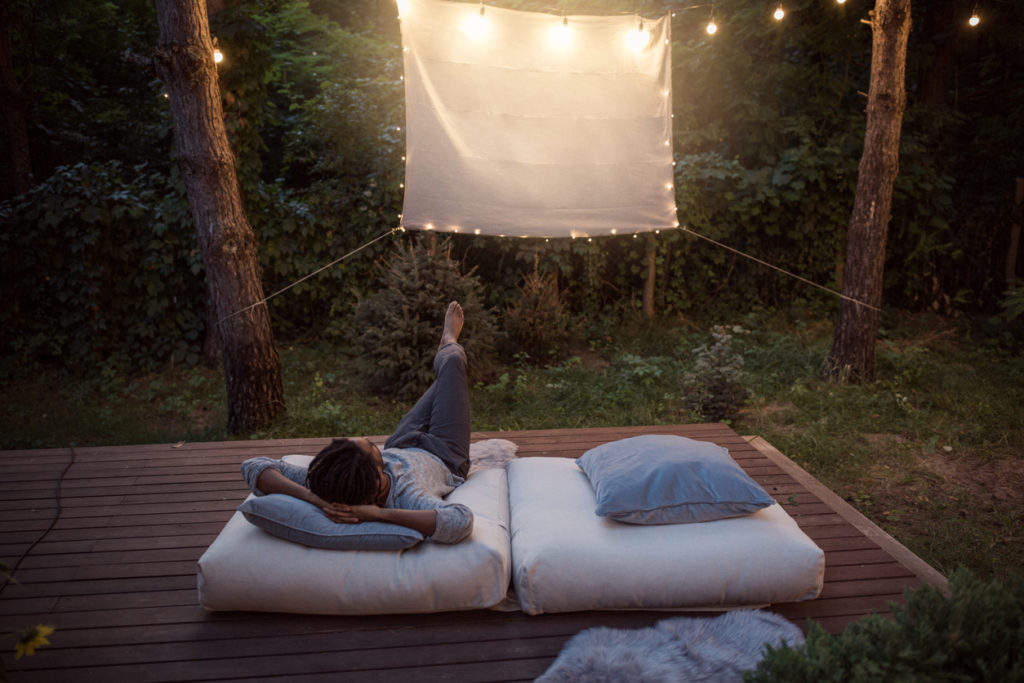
{"x": 537, "y": 319}
{"x": 714, "y": 389}
{"x": 399, "y": 325}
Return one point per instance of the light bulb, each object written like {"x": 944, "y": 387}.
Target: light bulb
{"x": 712, "y": 27}
{"x": 218, "y": 56}
{"x": 779, "y": 13}
{"x": 974, "y": 20}
{"x": 476, "y": 25}
{"x": 560, "y": 34}
{"x": 639, "y": 38}
{"x": 841, "y": 2}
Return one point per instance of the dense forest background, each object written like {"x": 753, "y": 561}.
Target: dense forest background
{"x": 100, "y": 260}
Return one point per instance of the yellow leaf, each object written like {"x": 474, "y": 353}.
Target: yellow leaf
{"x": 31, "y": 638}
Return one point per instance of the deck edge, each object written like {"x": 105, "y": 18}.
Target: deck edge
{"x": 899, "y": 552}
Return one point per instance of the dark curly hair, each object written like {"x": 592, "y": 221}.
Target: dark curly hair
{"x": 344, "y": 473}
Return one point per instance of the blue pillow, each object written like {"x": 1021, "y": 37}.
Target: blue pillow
{"x": 296, "y": 520}
{"x": 663, "y": 479}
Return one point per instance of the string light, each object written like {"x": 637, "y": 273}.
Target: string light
{"x": 712, "y": 27}
{"x": 561, "y": 35}
{"x": 975, "y": 19}
{"x": 638, "y": 40}
{"x": 218, "y": 56}
{"x": 779, "y": 13}
{"x": 476, "y": 25}
{"x": 841, "y": 2}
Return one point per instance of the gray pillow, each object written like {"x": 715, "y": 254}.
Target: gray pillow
{"x": 663, "y": 479}
{"x": 296, "y": 520}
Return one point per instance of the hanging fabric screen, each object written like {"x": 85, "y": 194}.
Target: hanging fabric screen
{"x": 536, "y": 125}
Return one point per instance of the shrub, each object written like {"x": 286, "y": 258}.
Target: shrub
{"x": 400, "y": 324}
{"x": 714, "y": 388}
{"x": 537, "y": 319}
{"x": 1012, "y": 302}
{"x": 98, "y": 262}
{"x": 976, "y": 634}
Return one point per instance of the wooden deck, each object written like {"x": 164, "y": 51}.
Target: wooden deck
{"x": 116, "y": 573}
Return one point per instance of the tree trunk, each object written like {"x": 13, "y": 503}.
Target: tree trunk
{"x": 853, "y": 345}
{"x": 1010, "y": 272}
{"x": 184, "y": 61}
{"x": 935, "y": 73}
{"x": 13, "y": 107}
{"x": 652, "y": 270}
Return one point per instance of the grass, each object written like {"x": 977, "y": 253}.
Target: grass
{"x": 932, "y": 450}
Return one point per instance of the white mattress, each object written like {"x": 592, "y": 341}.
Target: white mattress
{"x": 566, "y": 558}
{"x": 248, "y": 569}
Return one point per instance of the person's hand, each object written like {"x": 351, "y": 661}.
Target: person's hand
{"x": 350, "y": 514}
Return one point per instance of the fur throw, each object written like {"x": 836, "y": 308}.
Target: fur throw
{"x": 491, "y": 454}
{"x": 677, "y": 649}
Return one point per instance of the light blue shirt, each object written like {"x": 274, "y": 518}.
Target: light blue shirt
{"x": 419, "y": 481}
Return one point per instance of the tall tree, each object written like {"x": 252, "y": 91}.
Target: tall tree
{"x": 13, "y": 108}
{"x": 853, "y": 345}
{"x": 184, "y": 60}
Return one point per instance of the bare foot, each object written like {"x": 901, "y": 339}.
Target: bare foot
{"x": 453, "y": 319}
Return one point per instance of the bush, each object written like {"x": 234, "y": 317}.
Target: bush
{"x": 1012, "y": 302}
{"x": 99, "y": 262}
{"x": 976, "y": 634}
{"x": 714, "y": 389}
{"x": 537, "y": 319}
{"x": 400, "y": 324}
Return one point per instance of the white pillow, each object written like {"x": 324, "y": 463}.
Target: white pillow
{"x": 248, "y": 569}
{"x": 566, "y": 558}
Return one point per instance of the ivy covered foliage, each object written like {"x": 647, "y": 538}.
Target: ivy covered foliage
{"x": 976, "y": 634}
{"x": 398, "y": 327}
{"x": 107, "y": 268}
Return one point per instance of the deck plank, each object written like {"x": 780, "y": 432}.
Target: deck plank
{"x": 116, "y": 574}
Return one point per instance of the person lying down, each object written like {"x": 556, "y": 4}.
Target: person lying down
{"x": 425, "y": 459}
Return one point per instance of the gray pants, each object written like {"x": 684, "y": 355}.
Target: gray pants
{"x": 439, "y": 422}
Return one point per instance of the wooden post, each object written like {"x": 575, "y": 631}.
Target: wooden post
{"x": 652, "y": 253}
